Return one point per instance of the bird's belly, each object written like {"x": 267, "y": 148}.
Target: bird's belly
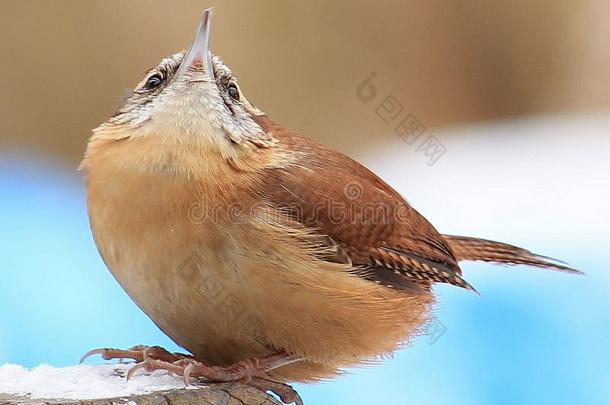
{"x": 183, "y": 280}
{"x": 229, "y": 291}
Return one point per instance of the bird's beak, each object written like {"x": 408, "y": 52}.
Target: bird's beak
{"x": 199, "y": 52}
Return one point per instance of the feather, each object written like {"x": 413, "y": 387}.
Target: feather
{"x": 475, "y": 249}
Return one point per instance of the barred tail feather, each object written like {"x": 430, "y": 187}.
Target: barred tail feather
{"x": 466, "y": 248}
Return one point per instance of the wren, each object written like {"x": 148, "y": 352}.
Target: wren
{"x": 270, "y": 258}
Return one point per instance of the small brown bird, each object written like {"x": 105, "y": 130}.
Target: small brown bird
{"x": 266, "y": 255}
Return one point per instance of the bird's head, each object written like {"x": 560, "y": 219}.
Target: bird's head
{"x": 190, "y": 100}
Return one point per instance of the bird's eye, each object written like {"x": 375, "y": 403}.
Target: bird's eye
{"x": 153, "y": 81}
{"x": 233, "y": 92}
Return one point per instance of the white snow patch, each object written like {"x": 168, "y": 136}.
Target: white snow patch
{"x": 82, "y": 382}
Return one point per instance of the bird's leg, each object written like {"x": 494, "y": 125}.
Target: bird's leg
{"x": 249, "y": 371}
{"x": 242, "y": 371}
{"x": 284, "y": 391}
{"x": 138, "y": 353}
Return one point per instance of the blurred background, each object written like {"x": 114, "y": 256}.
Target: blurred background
{"x": 491, "y": 117}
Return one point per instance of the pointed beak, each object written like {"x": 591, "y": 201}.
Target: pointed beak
{"x": 199, "y": 55}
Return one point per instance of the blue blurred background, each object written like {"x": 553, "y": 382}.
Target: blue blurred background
{"x": 515, "y": 93}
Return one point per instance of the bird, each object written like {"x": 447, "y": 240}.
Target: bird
{"x": 270, "y": 258}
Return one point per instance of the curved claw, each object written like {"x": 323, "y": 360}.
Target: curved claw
{"x": 90, "y": 353}
{"x": 137, "y": 353}
{"x": 186, "y": 376}
{"x": 287, "y": 394}
{"x": 135, "y": 368}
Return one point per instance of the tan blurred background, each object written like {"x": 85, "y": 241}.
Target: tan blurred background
{"x": 66, "y": 63}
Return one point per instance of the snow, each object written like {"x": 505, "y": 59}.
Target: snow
{"x": 82, "y": 382}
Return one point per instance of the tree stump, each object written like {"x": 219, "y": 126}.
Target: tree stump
{"x": 213, "y": 394}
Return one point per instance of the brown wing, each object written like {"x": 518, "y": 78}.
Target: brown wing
{"x": 359, "y": 215}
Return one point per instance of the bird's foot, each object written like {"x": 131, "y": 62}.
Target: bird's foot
{"x": 247, "y": 371}
{"x": 138, "y": 353}
{"x": 188, "y": 367}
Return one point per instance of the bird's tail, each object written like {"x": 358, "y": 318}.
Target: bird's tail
{"x": 466, "y": 248}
